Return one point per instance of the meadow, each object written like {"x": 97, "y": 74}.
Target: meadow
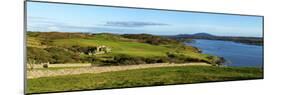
{"x": 55, "y": 47}
{"x": 142, "y": 77}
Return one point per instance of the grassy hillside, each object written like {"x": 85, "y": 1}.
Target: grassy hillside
{"x": 141, "y": 77}
{"x": 59, "y": 47}
{"x": 118, "y": 47}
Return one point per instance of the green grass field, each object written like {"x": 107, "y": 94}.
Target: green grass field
{"x": 118, "y": 47}
{"x": 57, "y": 47}
{"x": 121, "y": 45}
{"x": 142, "y": 77}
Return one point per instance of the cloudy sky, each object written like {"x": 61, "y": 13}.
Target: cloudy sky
{"x": 46, "y": 17}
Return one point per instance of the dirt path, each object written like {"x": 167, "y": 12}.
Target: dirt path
{"x": 63, "y": 65}
{"x": 71, "y": 71}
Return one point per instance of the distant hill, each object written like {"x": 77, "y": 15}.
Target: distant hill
{"x": 245, "y": 40}
{"x": 203, "y": 35}
{"x": 182, "y": 37}
{"x": 195, "y": 35}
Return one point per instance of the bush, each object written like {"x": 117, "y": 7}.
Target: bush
{"x": 85, "y": 50}
{"x": 39, "y": 55}
{"x": 123, "y": 59}
{"x": 61, "y": 55}
{"x": 182, "y": 58}
{"x": 45, "y": 65}
{"x": 151, "y": 39}
{"x": 157, "y": 60}
{"x": 178, "y": 57}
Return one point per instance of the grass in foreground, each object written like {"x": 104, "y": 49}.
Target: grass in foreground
{"x": 142, "y": 77}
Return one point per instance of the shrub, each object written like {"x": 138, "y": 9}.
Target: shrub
{"x": 39, "y": 55}
{"x": 45, "y": 65}
{"x": 151, "y": 39}
{"x": 123, "y": 59}
{"x": 176, "y": 57}
{"x": 61, "y": 55}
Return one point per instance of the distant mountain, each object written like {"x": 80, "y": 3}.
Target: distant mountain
{"x": 204, "y": 35}
{"x": 246, "y": 40}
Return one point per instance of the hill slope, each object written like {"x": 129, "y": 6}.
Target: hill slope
{"x": 59, "y": 47}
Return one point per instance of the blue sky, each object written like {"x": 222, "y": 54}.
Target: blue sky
{"x": 80, "y": 18}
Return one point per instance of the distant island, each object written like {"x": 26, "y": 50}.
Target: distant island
{"x": 244, "y": 40}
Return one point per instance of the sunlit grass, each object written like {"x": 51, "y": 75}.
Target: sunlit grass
{"x": 142, "y": 77}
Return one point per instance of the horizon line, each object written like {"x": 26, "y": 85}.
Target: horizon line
{"x": 149, "y": 33}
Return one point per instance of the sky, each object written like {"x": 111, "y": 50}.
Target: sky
{"x": 46, "y": 17}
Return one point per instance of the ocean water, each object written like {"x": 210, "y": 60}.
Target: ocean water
{"x": 237, "y": 54}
